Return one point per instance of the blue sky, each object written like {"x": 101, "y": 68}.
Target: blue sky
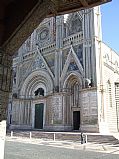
{"x": 110, "y": 24}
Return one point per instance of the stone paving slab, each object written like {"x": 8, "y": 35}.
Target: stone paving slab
{"x": 33, "y": 149}
{"x": 105, "y": 148}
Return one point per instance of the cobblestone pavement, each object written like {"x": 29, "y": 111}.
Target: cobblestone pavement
{"x": 22, "y": 148}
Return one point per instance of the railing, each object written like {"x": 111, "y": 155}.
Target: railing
{"x": 95, "y": 141}
{"x": 70, "y": 136}
{"x": 48, "y": 135}
{"x": 42, "y": 50}
{"x": 75, "y": 38}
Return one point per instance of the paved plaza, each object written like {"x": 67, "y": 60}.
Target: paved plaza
{"x": 22, "y": 148}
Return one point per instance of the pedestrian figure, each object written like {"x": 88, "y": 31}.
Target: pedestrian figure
{"x": 82, "y": 136}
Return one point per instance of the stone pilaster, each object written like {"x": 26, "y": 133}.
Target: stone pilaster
{"x": 5, "y": 82}
{"x": 5, "y": 88}
{"x": 59, "y": 35}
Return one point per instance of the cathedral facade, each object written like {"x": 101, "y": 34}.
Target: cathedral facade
{"x": 65, "y": 78}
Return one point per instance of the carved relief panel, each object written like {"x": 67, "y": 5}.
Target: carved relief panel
{"x": 44, "y": 33}
{"x": 79, "y": 51}
{"x": 74, "y": 24}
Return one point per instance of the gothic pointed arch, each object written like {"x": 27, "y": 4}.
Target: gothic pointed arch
{"x": 72, "y": 86}
{"x": 72, "y": 78}
{"x": 72, "y": 64}
{"x": 38, "y": 62}
{"x": 38, "y": 79}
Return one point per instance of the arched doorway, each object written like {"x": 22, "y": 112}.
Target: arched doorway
{"x": 35, "y": 89}
{"x": 73, "y": 103}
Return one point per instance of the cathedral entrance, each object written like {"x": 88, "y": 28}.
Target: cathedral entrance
{"x": 76, "y": 120}
{"x": 39, "y": 109}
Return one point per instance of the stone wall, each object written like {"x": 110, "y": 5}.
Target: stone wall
{"x": 110, "y": 76}
{"x": 89, "y": 110}
{"x": 21, "y": 114}
{"x": 5, "y": 83}
{"x": 54, "y": 108}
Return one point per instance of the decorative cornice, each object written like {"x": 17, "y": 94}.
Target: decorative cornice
{"x": 110, "y": 67}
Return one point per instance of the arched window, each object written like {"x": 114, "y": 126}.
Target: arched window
{"x": 109, "y": 93}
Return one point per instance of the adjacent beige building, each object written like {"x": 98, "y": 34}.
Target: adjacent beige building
{"x": 65, "y": 78}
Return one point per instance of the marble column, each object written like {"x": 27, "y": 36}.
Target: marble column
{"x": 5, "y": 88}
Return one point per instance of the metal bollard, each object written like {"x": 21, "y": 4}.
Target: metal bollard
{"x": 30, "y": 135}
{"x": 86, "y": 140}
{"x": 54, "y": 137}
{"x": 11, "y": 133}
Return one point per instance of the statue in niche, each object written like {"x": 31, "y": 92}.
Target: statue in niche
{"x": 39, "y": 92}
{"x": 89, "y": 83}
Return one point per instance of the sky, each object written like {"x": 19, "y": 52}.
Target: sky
{"x": 110, "y": 24}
